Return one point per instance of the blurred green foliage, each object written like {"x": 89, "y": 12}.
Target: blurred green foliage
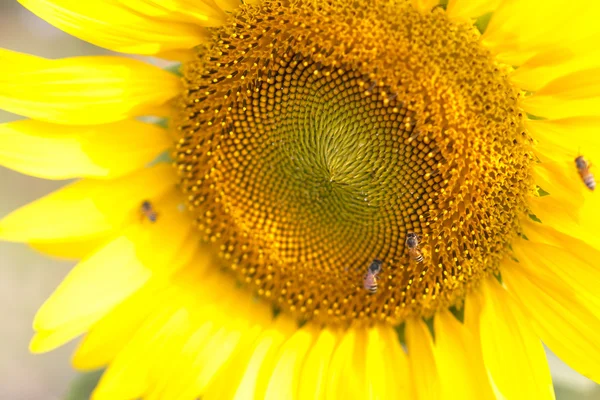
{"x": 83, "y": 385}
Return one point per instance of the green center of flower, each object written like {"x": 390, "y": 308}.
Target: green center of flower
{"x": 315, "y": 138}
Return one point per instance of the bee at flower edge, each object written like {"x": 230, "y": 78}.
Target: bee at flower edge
{"x": 583, "y": 167}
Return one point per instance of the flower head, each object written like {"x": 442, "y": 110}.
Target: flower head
{"x": 309, "y": 141}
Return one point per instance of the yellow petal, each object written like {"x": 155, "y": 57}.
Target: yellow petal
{"x": 186, "y": 368}
{"x": 470, "y": 8}
{"x": 422, "y": 360}
{"x": 127, "y": 375}
{"x": 556, "y": 62}
{"x": 109, "y": 335}
{"x": 460, "y": 366}
{"x": 513, "y": 354}
{"x": 53, "y": 151}
{"x": 561, "y": 180}
{"x": 231, "y": 5}
{"x": 204, "y": 13}
{"x": 565, "y": 130}
{"x": 71, "y": 250}
{"x": 519, "y": 29}
{"x": 575, "y": 94}
{"x": 217, "y": 353}
{"x": 387, "y": 371}
{"x": 575, "y": 136}
{"x": 313, "y": 378}
{"x": 550, "y": 106}
{"x": 579, "y": 84}
{"x": 571, "y": 207}
{"x": 84, "y": 90}
{"x": 44, "y": 341}
{"x": 581, "y": 275}
{"x": 175, "y": 330}
{"x": 176, "y": 380}
{"x": 566, "y": 222}
{"x": 543, "y": 234}
{"x": 115, "y": 26}
{"x": 94, "y": 286}
{"x": 261, "y": 361}
{"x": 15, "y": 61}
{"x": 116, "y": 270}
{"x": 347, "y": 371}
{"x": 86, "y": 208}
{"x": 561, "y": 318}
{"x": 472, "y": 323}
{"x": 231, "y": 375}
{"x": 367, "y": 364}
{"x": 284, "y": 382}
{"x": 207, "y": 356}
{"x": 165, "y": 245}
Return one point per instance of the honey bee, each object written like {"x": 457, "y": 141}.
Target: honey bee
{"x": 412, "y": 243}
{"x": 583, "y": 167}
{"x": 148, "y": 211}
{"x": 370, "y": 279}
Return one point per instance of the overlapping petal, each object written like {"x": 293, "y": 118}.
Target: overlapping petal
{"x": 572, "y": 95}
{"x": 87, "y": 208}
{"x": 568, "y": 193}
{"x": 564, "y": 139}
{"x": 560, "y": 60}
{"x": 119, "y": 268}
{"x": 460, "y": 365}
{"x": 519, "y": 29}
{"x": 53, "y": 151}
{"x": 205, "y": 13}
{"x": 560, "y": 313}
{"x": 388, "y": 374}
{"x": 71, "y": 250}
{"x": 424, "y": 374}
{"x": 313, "y": 376}
{"x": 184, "y": 368}
{"x": 123, "y": 27}
{"x": 254, "y": 364}
{"x": 513, "y": 354}
{"x": 108, "y": 336}
{"x": 284, "y": 382}
{"x": 84, "y": 90}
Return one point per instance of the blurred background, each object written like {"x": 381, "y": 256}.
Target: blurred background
{"x": 27, "y": 278}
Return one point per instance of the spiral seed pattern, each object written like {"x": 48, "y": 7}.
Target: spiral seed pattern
{"x": 314, "y": 136}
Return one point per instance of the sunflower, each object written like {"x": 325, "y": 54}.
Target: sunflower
{"x": 229, "y": 249}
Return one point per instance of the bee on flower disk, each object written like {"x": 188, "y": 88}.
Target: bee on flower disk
{"x": 412, "y": 243}
{"x": 583, "y": 167}
{"x": 370, "y": 279}
{"x": 148, "y": 211}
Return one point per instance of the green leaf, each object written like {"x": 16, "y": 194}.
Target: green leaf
{"x": 401, "y": 335}
{"x": 429, "y": 323}
{"x": 482, "y": 22}
{"x": 542, "y": 192}
{"x": 535, "y": 218}
{"x": 174, "y": 69}
{"x": 459, "y": 313}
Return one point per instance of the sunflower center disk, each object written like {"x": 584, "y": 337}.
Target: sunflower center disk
{"x": 313, "y": 140}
